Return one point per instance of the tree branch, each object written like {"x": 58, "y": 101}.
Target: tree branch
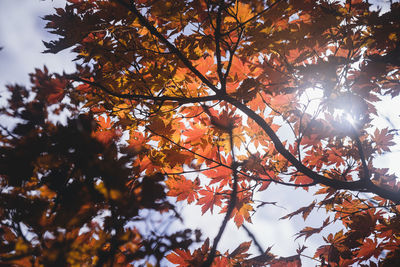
{"x": 359, "y": 185}
{"x": 366, "y": 177}
{"x": 182, "y": 100}
{"x": 252, "y": 236}
{"x": 232, "y": 203}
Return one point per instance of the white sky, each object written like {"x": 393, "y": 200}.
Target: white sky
{"x": 21, "y": 35}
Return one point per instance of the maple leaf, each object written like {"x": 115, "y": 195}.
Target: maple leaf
{"x": 302, "y": 179}
{"x": 50, "y": 88}
{"x": 195, "y": 134}
{"x": 180, "y": 257}
{"x": 183, "y": 189}
{"x": 309, "y": 231}
{"x": 137, "y": 141}
{"x": 280, "y": 101}
{"x": 368, "y": 249}
{"x": 204, "y": 64}
{"x": 242, "y": 214}
{"x": 210, "y": 197}
{"x": 220, "y": 175}
{"x": 104, "y": 123}
{"x": 239, "y": 69}
{"x": 242, "y": 11}
{"x": 383, "y": 140}
{"x": 174, "y": 158}
{"x": 106, "y": 133}
{"x": 220, "y": 262}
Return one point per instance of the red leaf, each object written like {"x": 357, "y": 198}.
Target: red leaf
{"x": 180, "y": 257}
{"x": 383, "y": 140}
{"x": 369, "y": 249}
{"x": 106, "y": 133}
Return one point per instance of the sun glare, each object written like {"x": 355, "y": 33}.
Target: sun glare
{"x": 311, "y": 100}
{"x": 351, "y": 120}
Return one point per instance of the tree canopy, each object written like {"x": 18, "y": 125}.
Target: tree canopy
{"x": 209, "y": 103}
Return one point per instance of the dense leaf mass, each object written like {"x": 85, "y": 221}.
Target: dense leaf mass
{"x": 67, "y": 197}
{"x": 216, "y": 88}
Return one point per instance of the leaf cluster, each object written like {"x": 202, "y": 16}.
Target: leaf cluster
{"x": 215, "y": 96}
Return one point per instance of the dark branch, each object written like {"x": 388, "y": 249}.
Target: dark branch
{"x": 366, "y": 176}
{"x": 182, "y": 100}
{"x": 359, "y": 185}
{"x": 232, "y": 203}
{"x": 252, "y": 236}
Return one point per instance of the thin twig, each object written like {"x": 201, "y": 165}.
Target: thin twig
{"x": 252, "y": 236}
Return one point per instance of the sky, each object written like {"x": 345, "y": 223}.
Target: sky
{"x": 21, "y": 35}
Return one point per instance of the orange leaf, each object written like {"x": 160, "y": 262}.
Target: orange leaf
{"x": 180, "y": 257}
{"x": 195, "y": 134}
{"x": 242, "y": 11}
{"x": 368, "y": 249}
{"x": 104, "y": 123}
{"x": 182, "y": 188}
{"x": 243, "y": 214}
{"x": 105, "y": 137}
{"x": 209, "y": 199}
{"x": 219, "y": 174}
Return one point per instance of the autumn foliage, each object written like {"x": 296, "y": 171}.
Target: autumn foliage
{"x": 207, "y": 103}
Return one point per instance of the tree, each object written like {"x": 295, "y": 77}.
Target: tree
{"x": 67, "y": 196}
{"x": 217, "y": 88}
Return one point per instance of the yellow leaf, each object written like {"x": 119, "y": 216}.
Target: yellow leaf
{"x": 243, "y": 214}
{"x": 21, "y": 247}
{"x": 115, "y": 194}
{"x": 392, "y": 36}
{"x": 242, "y": 11}
{"x": 102, "y": 189}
